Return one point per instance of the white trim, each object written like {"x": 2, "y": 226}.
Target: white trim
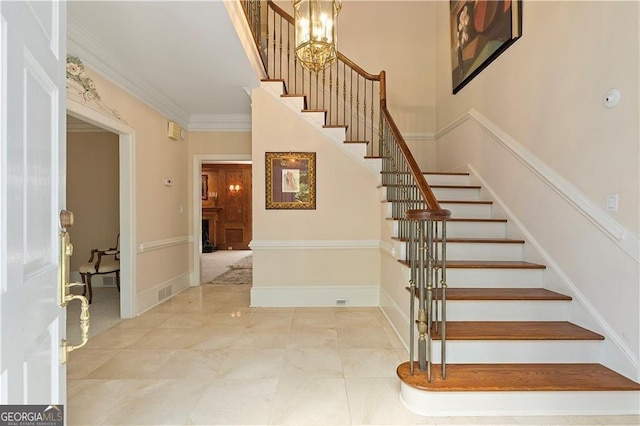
{"x": 162, "y": 244}
{"x": 628, "y": 242}
{"x": 418, "y": 136}
{"x": 314, "y": 296}
{"x": 241, "y": 24}
{"x": 149, "y": 298}
{"x": 127, "y": 177}
{"x": 108, "y": 64}
{"x": 313, "y": 244}
{"x": 564, "y": 278}
{"x": 220, "y": 123}
{"x": 196, "y": 179}
{"x": 396, "y": 317}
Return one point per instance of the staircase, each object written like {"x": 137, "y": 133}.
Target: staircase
{"x": 510, "y": 348}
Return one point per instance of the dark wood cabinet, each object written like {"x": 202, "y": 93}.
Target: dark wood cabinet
{"x": 226, "y": 205}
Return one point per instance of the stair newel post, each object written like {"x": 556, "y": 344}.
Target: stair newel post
{"x": 429, "y": 302}
{"x": 422, "y": 314}
{"x": 443, "y": 300}
{"x": 435, "y": 273}
{"x": 411, "y": 252}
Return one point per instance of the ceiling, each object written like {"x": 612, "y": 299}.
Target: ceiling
{"x": 184, "y": 58}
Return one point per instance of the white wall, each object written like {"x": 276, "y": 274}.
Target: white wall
{"x": 532, "y": 125}
{"x": 312, "y": 257}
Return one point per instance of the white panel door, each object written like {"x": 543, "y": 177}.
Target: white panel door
{"x": 32, "y": 181}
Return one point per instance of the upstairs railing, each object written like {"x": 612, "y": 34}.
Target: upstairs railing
{"x": 356, "y": 100}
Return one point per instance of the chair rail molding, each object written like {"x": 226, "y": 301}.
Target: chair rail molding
{"x": 162, "y": 244}
{"x": 314, "y": 244}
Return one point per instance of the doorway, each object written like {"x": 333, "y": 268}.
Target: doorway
{"x": 203, "y": 207}
{"x": 126, "y": 204}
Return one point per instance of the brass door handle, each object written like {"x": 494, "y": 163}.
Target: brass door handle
{"x": 66, "y": 250}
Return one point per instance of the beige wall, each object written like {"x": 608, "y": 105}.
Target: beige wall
{"x": 546, "y": 91}
{"x": 92, "y": 192}
{"x": 544, "y": 95}
{"x": 160, "y": 211}
{"x": 399, "y": 38}
{"x": 347, "y": 210}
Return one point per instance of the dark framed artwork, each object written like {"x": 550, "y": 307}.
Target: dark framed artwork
{"x": 480, "y": 31}
{"x": 290, "y": 180}
{"x": 205, "y": 187}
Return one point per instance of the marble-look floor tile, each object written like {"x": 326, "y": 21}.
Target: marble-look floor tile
{"x": 184, "y": 321}
{"x": 375, "y": 401}
{"x": 232, "y": 402}
{"x": 91, "y": 402}
{"x": 269, "y": 320}
{"x": 316, "y": 401}
{"x": 577, "y": 420}
{"x": 171, "y": 338}
{"x": 474, "y": 420}
{"x": 132, "y": 364}
{"x": 83, "y": 362}
{"x": 369, "y": 362}
{"x": 147, "y": 320}
{"x": 163, "y": 402}
{"x": 238, "y": 317}
{"x": 313, "y": 338}
{"x": 321, "y": 319}
{"x": 362, "y": 338}
{"x": 250, "y": 365}
{"x": 203, "y": 364}
{"x": 268, "y": 338}
{"x": 393, "y": 337}
{"x": 116, "y": 338}
{"x": 312, "y": 362}
{"x": 353, "y": 319}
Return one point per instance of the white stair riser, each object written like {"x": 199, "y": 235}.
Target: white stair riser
{"x": 476, "y": 229}
{"x": 490, "y": 277}
{"x": 472, "y": 251}
{"x": 276, "y": 87}
{"x": 519, "y": 351}
{"x": 483, "y": 251}
{"x": 435, "y": 179}
{"x": 518, "y": 403}
{"x": 456, "y": 193}
{"x": 468, "y": 211}
{"x": 296, "y": 101}
{"x": 507, "y": 310}
{"x": 318, "y": 117}
{"x": 359, "y": 149}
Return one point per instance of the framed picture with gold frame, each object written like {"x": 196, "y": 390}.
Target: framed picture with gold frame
{"x": 290, "y": 180}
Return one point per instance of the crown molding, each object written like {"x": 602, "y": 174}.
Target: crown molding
{"x": 220, "y": 123}
{"x": 97, "y": 57}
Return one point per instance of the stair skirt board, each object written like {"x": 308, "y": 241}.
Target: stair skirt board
{"x": 314, "y": 296}
{"x": 521, "y": 403}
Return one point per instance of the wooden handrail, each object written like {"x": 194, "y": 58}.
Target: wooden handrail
{"x": 281, "y": 12}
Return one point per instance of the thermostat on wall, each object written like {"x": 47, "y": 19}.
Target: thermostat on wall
{"x": 168, "y": 181}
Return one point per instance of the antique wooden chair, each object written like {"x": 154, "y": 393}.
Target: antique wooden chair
{"x": 102, "y": 261}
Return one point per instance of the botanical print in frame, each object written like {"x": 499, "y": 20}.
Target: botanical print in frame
{"x": 480, "y": 31}
{"x": 290, "y": 180}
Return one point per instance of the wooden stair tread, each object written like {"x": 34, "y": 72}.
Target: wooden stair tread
{"x": 473, "y": 240}
{"x": 315, "y": 110}
{"x": 455, "y": 186}
{"x": 518, "y": 377}
{"x": 465, "y": 202}
{"x": 365, "y": 142}
{"x": 458, "y": 219}
{"x": 487, "y": 264}
{"x": 493, "y": 264}
{"x": 516, "y": 330}
{"x": 447, "y": 173}
{"x": 523, "y": 294}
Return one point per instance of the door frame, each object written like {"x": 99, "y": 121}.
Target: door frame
{"x": 196, "y": 179}
{"x": 127, "y": 173}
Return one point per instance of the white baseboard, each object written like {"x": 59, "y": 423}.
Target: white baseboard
{"x": 151, "y": 297}
{"x": 314, "y": 296}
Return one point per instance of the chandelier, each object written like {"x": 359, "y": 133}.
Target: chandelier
{"x": 316, "y": 32}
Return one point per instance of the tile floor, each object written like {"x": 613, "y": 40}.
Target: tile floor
{"x": 205, "y": 357}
